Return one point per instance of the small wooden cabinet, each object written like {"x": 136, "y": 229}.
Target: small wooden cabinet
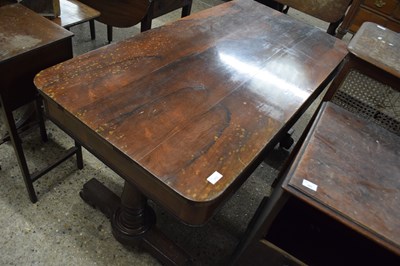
{"x": 382, "y": 12}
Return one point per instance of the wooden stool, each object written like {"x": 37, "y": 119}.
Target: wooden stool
{"x": 25, "y": 52}
{"x": 375, "y": 52}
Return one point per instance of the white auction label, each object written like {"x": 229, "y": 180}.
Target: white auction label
{"x": 310, "y": 185}
{"x": 214, "y": 177}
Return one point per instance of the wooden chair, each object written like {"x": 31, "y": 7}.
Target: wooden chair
{"x": 128, "y": 13}
{"x": 332, "y": 12}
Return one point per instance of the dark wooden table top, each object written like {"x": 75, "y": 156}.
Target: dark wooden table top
{"x": 350, "y": 169}
{"x": 22, "y": 31}
{"x": 74, "y": 12}
{"x": 378, "y": 46}
{"x": 28, "y": 43}
{"x": 199, "y": 96}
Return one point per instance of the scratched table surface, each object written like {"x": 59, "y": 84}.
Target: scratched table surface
{"x": 200, "y": 97}
{"x": 350, "y": 169}
{"x": 28, "y": 43}
{"x": 22, "y": 31}
{"x": 378, "y": 46}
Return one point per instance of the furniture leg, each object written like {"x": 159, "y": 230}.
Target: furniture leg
{"x": 145, "y": 24}
{"x": 17, "y": 145}
{"x": 133, "y": 221}
{"x": 39, "y": 114}
{"x": 133, "y": 218}
{"x": 109, "y": 33}
{"x": 92, "y": 29}
{"x": 333, "y": 26}
{"x": 348, "y": 65}
{"x": 16, "y": 142}
{"x": 79, "y": 157}
{"x": 186, "y": 9}
{"x": 287, "y": 140}
{"x": 25, "y": 122}
{"x": 257, "y": 229}
{"x": 348, "y": 19}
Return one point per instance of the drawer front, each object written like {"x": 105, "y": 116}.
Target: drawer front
{"x": 384, "y": 6}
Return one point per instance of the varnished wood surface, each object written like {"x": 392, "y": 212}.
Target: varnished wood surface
{"x": 22, "y": 30}
{"x": 74, "y": 12}
{"x": 29, "y": 43}
{"x": 356, "y": 166}
{"x": 206, "y": 93}
{"x": 25, "y": 50}
{"x": 378, "y": 46}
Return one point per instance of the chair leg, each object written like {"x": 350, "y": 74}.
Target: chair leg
{"x": 145, "y": 24}
{"x": 109, "y": 33}
{"x": 333, "y": 26}
{"x": 79, "y": 157}
{"x": 39, "y": 114}
{"x": 17, "y": 145}
{"x": 92, "y": 29}
{"x": 186, "y": 9}
{"x": 338, "y": 80}
{"x": 16, "y": 142}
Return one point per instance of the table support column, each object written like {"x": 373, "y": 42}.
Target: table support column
{"x": 133, "y": 218}
{"x": 133, "y": 221}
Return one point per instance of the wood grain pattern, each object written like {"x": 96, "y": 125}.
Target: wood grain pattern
{"x": 356, "y": 166}
{"x": 378, "y": 46}
{"x": 27, "y": 50}
{"x": 16, "y": 38}
{"x": 206, "y": 93}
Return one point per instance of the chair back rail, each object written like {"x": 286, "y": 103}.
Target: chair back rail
{"x": 326, "y": 10}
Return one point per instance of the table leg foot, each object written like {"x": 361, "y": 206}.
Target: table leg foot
{"x": 130, "y": 225}
{"x": 162, "y": 248}
{"x": 287, "y": 140}
{"x": 133, "y": 221}
{"x": 100, "y": 197}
